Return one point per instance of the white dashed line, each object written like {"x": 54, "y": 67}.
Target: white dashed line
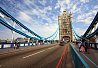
{"x": 50, "y": 47}
{"x": 36, "y": 53}
{"x": 33, "y": 54}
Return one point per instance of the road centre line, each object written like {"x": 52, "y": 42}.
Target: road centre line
{"x": 50, "y": 47}
{"x": 33, "y": 54}
{"x": 36, "y": 53}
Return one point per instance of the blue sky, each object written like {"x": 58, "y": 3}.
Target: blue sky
{"x": 41, "y": 16}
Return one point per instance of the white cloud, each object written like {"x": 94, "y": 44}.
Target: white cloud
{"x": 84, "y": 1}
{"x": 67, "y": 1}
{"x": 41, "y": 13}
{"x": 24, "y": 16}
{"x": 43, "y": 2}
{"x": 80, "y": 31}
{"x": 61, "y": 4}
{"x": 96, "y": 7}
{"x": 44, "y": 30}
{"x": 57, "y": 6}
{"x": 66, "y": 4}
{"x": 46, "y": 9}
{"x": 29, "y": 1}
{"x": 87, "y": 17}
{"x": 8, "y": 34}
{"x": 74, "y": 7}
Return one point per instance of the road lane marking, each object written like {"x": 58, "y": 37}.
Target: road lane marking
{"x": 33, "y": 54}
{"x": 36, "y": 53}
{"x": 50, "y": 47}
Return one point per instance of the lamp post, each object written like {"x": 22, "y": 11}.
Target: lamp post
{"x": 13, "y": 32}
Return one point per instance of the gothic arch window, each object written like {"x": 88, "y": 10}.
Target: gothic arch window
{"x": 65, "y": 25}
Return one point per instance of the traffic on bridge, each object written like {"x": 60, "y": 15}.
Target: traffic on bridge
{"x": 48, "y": 34}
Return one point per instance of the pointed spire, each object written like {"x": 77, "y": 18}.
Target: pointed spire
{"x": 70, "y": 14}
{"x": 64, "y": 10}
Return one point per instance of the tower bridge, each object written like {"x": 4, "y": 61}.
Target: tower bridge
{"x": 49, "y": 54}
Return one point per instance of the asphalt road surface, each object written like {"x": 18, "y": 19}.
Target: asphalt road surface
{"x": 33, "y": 57}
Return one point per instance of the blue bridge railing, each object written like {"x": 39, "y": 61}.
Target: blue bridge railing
{"x": 78, "y": 60}
{"x": 93, "y": 45}
{"x": 11, "y": 45}
{"x": 22, "y": 44}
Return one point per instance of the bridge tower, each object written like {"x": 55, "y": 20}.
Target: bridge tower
{"x": 65, "y": 27}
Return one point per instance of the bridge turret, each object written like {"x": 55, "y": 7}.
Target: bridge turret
{"x": 65, "y": 28}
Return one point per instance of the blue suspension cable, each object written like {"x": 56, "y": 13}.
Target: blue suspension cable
{"x": 3, "y": 22}
{"x": 75, "y": 32}
{"x": 55, "y": 35}
{"x": 8, "y": 15}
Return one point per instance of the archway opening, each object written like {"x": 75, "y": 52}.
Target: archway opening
{"x": 66, "y": 38}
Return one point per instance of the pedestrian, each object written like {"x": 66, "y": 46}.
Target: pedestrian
{"x": 15, "y": 46}
{"x": 82, "y": 48}
{"x": 18, "y": 45}
{"x": 79, "y": 45}
{"x": 86, "y": 46}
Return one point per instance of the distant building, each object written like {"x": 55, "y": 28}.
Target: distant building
{"x": 20, "y": 39}
{"x": 65, "y": 27}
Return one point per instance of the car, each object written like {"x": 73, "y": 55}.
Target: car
{"x": 62, "y": 43}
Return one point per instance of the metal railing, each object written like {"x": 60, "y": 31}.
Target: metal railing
{"x": 11, "y": 45}
{"x": 21, "y": 44}
{"x": 78, "y": 60}
{"x": 93, "y": 45}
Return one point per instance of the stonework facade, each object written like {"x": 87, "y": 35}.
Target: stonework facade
{"x": 65, "y": 27}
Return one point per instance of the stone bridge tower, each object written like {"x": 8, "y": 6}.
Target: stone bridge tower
{"x": 65, "y": 27}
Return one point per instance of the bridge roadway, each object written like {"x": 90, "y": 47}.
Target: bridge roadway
{"x": 42, "y": 56}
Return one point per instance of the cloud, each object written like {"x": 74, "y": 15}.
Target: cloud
{"x": 67, "y": 1}
{"x": 80, "y": 31}
{"x": 43, "y": 2}
{"x": 29, "y": 1}
{"x": 68, "y": 5}
{"x": 24, "y": 16}
{"x": 61, "y": 4}
{"x": 96, "y": 7}
{"x": 84, "y": 1}
{"x": 44, "y": 30}
{"x": 8, "y": 34}
{"x": 74, "y": 7}
{"x": 39, "y": 12}
{"x": 57, "y": 6}
{"x": 42, "y": 13}
{"x": 87, "y": 17}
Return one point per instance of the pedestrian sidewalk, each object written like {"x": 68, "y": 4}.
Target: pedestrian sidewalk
{"x": 91, "y": 57}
